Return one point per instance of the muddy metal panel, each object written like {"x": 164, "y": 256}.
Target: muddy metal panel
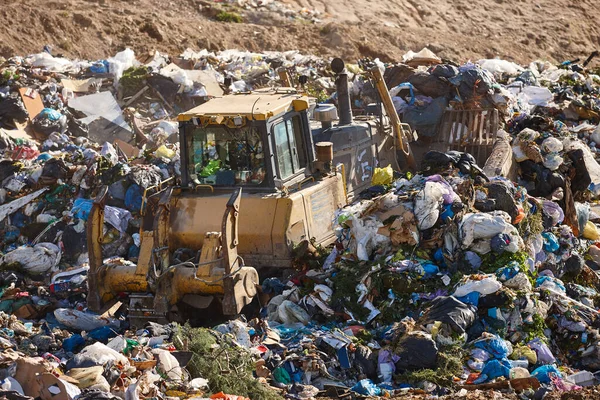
{"x": 321, "y": 199}
{"x": 192, "y": 216}
{"x": 471, "y": 131}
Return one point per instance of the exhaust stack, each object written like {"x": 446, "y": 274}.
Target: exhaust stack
{"x": 341, "y": 84}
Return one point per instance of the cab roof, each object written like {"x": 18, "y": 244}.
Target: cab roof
{"x": 257, "y": 105}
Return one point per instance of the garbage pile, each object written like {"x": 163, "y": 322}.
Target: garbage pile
{"x": 272, "y": 6}
{"x": 446, "y": 281}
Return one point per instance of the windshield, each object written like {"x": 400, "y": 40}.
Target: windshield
{"x": 224, "y": 156}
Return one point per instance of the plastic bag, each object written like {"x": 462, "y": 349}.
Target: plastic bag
{"x": 519, "y": 282}
{"x": 168, "y": 364}
{"x": 449, "y": 310}
{"x": 109, "y": 151}
{"x": 500, "y": 67}
{"x": 494, "y": 369}
{"x": 485, "y": 286}
{"x": 97, "y": 354}
{"x": 538, "y": 96}
{"x": 164, "y": 152}
{"x": 427, "y": 204}
{"x": 49, "y": 121}
{"x": 383, "y": 176}
{"x": 73, "y": 342}
{"x": 550, "y": 242}
{"x": 121, "y": 62}
{"x": 554, "y": 211}
{"x": 133, "y": 198}
{"x": 83, "y": 321}
{"x": 11, "y": 384}
{"x": 290, "y": 313}
{"x": 552, "y": 145}
{"x": 484, "y": 226}
{"x": 590, "y": 231}
{"x": 524, "y": 352}
{"x": 366, "y": 387}
{"x": 552, "y": 161}
{"x": 494, "y": 345}
{"x": 37, "y": 259}
{"x": 544, "y": 355}
{"x": 543, "y": 373}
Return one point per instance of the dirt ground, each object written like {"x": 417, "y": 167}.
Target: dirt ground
{"x": 519, "y": 30}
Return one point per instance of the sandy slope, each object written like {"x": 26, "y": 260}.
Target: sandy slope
{"x": 520, "y": 30}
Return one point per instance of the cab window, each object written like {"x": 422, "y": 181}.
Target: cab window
{"x": 289, "y": 147}
{"x": 223, "y": 156}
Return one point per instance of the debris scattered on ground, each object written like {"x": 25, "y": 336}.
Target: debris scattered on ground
{"x": 455, "y": 280}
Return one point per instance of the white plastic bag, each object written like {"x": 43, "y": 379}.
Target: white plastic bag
{"x": 290, "y": 313}
{"x": 552, "y": 161}
{"x": 120, "y": 63}
{"x": 37, "y": 259}
{"x": 499, "y": 67}
{"x": 168, "y": 364}
{"x": 552, "y": 145}
{"x": 102, "y": 354}
{"x": 485, "y": 286}
{"x": 484, "y": 226}
{"x": 427, "y": 204}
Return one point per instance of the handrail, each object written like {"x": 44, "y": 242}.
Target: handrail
{"x": 205, "y": 186}
{"x": 305, "y": 180}
{"x": 144, "y": 196}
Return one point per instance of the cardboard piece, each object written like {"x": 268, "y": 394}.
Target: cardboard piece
{"x": 79, "y": 85}
{"x": 33, "y": 105}
{"x": 129, "y": 150}
{"x": 18, "y": 134}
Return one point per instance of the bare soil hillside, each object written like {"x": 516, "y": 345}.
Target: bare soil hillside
{"x": 518, "y": 30}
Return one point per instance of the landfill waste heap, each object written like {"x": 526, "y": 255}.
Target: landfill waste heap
{"x": 456, "y": 280}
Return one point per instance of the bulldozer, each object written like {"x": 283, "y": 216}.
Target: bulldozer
{"x": 291, "y": 163}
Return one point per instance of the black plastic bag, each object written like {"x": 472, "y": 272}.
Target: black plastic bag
{"x": 451, "y": 311}
{"x": 13, "y": 109}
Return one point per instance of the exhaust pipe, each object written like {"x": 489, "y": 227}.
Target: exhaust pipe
{"x": 341, "y": 84}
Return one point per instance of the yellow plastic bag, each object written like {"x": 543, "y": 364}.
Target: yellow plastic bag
{"x": 590, "y": 231}
{"x": 164, "y": 152}
{"x": 383, "y": 176}
{"x": 526, "y": 352}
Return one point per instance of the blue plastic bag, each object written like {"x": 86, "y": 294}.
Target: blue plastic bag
{"x": 73, "y": 342}
{"x": 81, "y": 208}
{"x": 100, "y": 67}
{"x": 50, "y": 114}
{"x": 430, "y": 269}
{"x": 102, "y": 334}
{"x": 495, "y": 369}
{"x": 471, "y": 298}
{"x": 493, "y": 345}
{"x": 543, "y": 373}
{"x": 550, "y": 242}
{"x": 508, "y": 272}
{"x": 500, "y": 242}
{"x": 133, "y": 198}
{"x": 366, "y": 387}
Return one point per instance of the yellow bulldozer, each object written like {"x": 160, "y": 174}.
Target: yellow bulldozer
{"x": 290, "y": 164}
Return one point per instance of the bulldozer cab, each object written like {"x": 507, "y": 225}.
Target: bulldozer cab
{"x": 260, "y": 141}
